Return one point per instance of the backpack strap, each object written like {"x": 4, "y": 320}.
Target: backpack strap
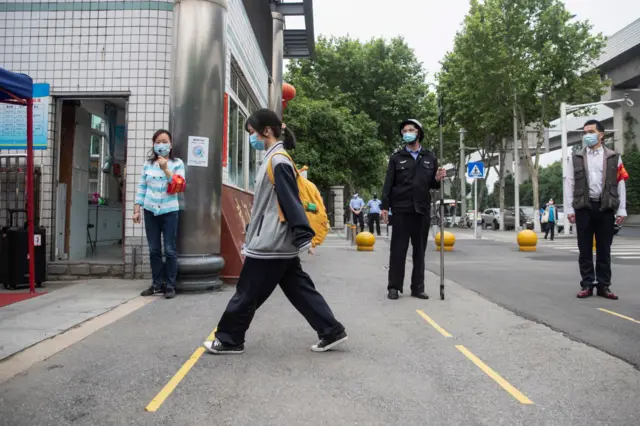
{"x": 272, "y": 178}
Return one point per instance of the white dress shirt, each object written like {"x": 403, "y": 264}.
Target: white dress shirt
{"x": 595, "y": 164}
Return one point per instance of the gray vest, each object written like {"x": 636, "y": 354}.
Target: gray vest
{"x": 609, "y": 198}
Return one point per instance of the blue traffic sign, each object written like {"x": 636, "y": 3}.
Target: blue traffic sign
{"x": 475, "y": 170}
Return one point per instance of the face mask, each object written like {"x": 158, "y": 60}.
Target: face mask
{"x": 256, "y": 143}
{"x": 162, "y": 149}
{"x": 590, "y": 139}
{"x": 409, "y": 137}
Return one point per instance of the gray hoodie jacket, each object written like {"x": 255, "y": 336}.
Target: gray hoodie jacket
{"x": 267, "y": 237}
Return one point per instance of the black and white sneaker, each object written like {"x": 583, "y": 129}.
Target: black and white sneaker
{"x": 218, "y": 348}
{"x": 151, "y": 291}
{"x": 329, "y": 343}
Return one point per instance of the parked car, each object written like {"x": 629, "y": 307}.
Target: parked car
{"x": 491, "y": 218}
{"x": 560, "y": 218}
{"x": 529, "y": 213}
{"x": 510, "y": 218}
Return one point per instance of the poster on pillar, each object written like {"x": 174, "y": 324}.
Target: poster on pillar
{"x": 198, "y": 151}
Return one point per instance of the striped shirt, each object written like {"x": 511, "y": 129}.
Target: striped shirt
{"x": 152, "y": 190}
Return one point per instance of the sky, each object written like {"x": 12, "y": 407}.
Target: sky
{"x": 430, "y": 26}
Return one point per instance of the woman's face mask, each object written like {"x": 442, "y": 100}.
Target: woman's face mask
{"x": 256, "y": 143}
{"x": 590, "y": 139}
{"x": 162, "y": 149}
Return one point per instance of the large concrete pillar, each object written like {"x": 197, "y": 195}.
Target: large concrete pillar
{"x": 337, "y": 192}
{"x": 277, "y": 64}
{"x": 197, "y": 99}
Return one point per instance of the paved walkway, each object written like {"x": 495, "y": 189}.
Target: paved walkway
{"x": 462, "y": 361}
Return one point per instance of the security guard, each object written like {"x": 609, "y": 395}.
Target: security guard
{"x": 413, "y": 171}
{"x": 596, "y": 200}
{"x": 374, "y": 213}
{"x": 356, "y": 205}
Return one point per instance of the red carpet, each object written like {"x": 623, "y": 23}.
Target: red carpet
{"x": 9, "y": 298}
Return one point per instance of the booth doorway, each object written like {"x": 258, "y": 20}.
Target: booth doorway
{"x": 90, "y": 193}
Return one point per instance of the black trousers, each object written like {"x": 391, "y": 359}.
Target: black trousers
{"x": 407, "y": 227}
{"x": 359, "y": 219}
{"x": 550, "y": 227}
{"x": 374, "y": 218}
{"x": 258, "y": 279}
{"x": 590, "y": 222}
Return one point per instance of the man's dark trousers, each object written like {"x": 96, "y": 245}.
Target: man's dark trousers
{"x": 374, "y": 218}
{"x": 359, "y": 219}
{"x": 590, "y": 222}
{"x": 408, "y": 227}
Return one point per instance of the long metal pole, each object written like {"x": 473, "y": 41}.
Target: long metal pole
{"x": 516, "y": 158}
{"x": 565, "y": 160}
{"x": 475, "y": 207}
{"x": 30, "y": 224}
{"x": 441, "y": 122}
{"x": 461, "y": 174}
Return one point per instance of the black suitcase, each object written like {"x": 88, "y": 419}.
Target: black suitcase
{"x": 14, "y": 250}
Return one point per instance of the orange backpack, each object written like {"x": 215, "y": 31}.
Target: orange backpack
{"x": 310, "y": 199}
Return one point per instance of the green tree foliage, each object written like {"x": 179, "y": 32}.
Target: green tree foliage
{"x": 631, "y": 162}
{"x": 527, "y": 53}
{"x": 380, "y": 78}
{"x": 338, "y": 145}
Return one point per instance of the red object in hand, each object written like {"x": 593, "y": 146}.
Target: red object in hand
{"x": 177, "y": 185}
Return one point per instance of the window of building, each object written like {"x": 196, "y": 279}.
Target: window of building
{"x": 242, "y": 161}
{"x": 98, "y": 181}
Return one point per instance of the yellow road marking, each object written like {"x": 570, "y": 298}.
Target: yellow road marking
{"x": 619, "y": 315}
{"x": 495, "y": 376}
{"x": 433, "y": 323}
{"x": 175, "y": 380}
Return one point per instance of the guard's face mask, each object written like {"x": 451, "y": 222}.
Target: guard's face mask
{"x": 409, "y": 137}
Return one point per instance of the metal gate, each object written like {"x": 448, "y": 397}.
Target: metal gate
{"x": 13, "y": 189}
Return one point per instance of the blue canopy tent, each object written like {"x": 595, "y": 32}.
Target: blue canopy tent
{"x": 18, "y": 89}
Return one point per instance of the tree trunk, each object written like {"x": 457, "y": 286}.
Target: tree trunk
{"x": 503, "y": 164}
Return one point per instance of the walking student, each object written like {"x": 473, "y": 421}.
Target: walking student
{"x": 272, "y": 247}
{"x": 596, "y": 200}
{"x": 162, "y": 179}
{"x": 412, "y": 172}
{"x": 374, "y": 213}
{"x": 549, "y": 219}
{"x": 356, "y": 205}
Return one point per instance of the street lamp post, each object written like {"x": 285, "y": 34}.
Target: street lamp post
{"x": 564, "y": 110}
{"x": 462, "y": 176}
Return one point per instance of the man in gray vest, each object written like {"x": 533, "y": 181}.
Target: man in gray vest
{"x": 596, "y": 199}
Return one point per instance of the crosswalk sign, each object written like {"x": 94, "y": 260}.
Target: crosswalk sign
{"x": 475, "y": 170}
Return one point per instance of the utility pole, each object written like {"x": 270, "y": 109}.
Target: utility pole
{"x": 516, "y": 172}
{"x": 462, "y": 176}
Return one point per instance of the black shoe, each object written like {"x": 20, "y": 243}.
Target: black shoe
{"x": 219, "y": 348}
{"x": 150, "y": 291}
{"x": 329, "y": 342}
{"x": 170, "y": 294}
{"x": 603, "y": 291}
{"x": 420, "y": 295}
{"x": 393, "y": 294}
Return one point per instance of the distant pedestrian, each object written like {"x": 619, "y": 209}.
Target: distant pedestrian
{"x": 162, "y": 179}
{"x": 596, "y": 201}
{"x": 374, "y": 213}
{"x": 272, "y": 247}
{"x": 412, "y": 172}
{"x": 356, "y": 205}
{"x": 549, "y": 217}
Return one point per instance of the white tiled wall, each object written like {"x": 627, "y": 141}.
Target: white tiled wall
{"x": 108, "y": 46}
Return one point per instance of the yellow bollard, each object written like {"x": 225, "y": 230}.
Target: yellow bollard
{"x": 365, "y": 241}
{"x": 527, "y": 240}
{"x": 449, "y": 241}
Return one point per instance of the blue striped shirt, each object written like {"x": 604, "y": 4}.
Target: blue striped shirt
{"x": 152, "y": 190}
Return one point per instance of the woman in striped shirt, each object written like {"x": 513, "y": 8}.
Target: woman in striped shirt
{"x": 161, "y": 181}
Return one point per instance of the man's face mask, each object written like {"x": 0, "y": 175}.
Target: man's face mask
{"x": 590, "y": 139}
{"x": 409, "y": 137}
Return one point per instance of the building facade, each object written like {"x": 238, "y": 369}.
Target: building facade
{"x": 109, "y": 65}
